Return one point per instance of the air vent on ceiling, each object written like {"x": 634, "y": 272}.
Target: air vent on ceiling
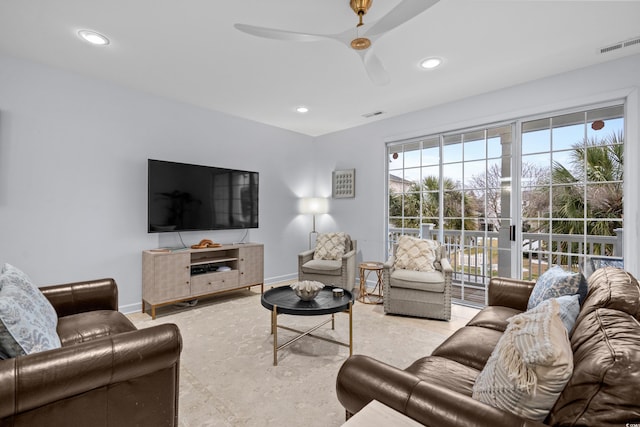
{"x": 375, "y": 113}
{"x": 621, "y": 45}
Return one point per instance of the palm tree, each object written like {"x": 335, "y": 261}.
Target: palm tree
{"x": 595, "y": 172}
{"x": 422, "y": 200}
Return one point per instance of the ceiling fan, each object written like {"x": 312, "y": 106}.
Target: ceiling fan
{"x": 362, "y": 42}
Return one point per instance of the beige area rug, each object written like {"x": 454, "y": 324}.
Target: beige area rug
{"x": 227, "y": 376}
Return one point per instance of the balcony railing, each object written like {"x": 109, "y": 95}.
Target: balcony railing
{"x": 476, "y": 256}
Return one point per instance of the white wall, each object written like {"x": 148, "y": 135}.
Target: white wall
{"x": 73, "y": 156}
{"x": 73, "y": 176}
{"x": 363, "y": 148}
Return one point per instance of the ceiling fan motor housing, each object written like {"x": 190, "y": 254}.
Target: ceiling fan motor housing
{"x": 360, "y": 7}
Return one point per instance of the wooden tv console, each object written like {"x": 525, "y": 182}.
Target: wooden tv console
{"x": 169, "y": 276}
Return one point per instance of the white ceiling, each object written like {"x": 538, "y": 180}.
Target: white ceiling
{"x": 189, "y": 51}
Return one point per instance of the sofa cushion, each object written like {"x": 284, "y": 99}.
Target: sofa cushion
{"x": 322, "y": 266}
{"x": 556, "y": 282}
{"x": 330, "y": 246}
{"x": 416, "y": 254}
{"x": 494, "y": 317}
{"x": 425, "y": 281}
{"x": 604, "y": 389}
{"x": 470, "y": 346}
{"x": 530, "y": 365}
{"x": 445, "y": 372}
{"x": 81, "y": 327}
{"x": 611, "y": 287}
{"x": 27, "y": 319}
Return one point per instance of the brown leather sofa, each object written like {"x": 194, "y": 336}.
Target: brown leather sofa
{"x": 604, "y": 389}
{"x": 107, "y": 372}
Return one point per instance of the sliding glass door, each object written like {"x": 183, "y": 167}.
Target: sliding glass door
{"x": 512, "y": 199}
{"x": 572, "y": 180}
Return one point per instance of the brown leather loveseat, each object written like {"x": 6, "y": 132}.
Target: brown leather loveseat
{"x": 107, "y": 372}
{"x": 603, "y": 390}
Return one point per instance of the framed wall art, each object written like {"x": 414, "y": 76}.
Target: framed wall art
{"x": 344, "y": 183}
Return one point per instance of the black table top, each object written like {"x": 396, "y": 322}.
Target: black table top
{"x": 288, "y": 302}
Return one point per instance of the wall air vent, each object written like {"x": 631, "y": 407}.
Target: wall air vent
{"x": 375, "y": 113}
{"x": 632, "y": 42}
{"x": 620, "y": 45}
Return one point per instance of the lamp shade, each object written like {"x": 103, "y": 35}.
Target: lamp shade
{"x": 314, "y": 205}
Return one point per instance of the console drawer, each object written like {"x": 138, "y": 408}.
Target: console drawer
{"x": 213, "y": 282}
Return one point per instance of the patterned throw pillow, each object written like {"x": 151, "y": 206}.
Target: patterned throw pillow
{"x": 330, "y": 246}
{"x": 530, "y": 365}
{"x": 27, "y": 319}
{"x": 556, "y": 282}
{"x": 569, "y": 310}
{"x": 416, "y": 254}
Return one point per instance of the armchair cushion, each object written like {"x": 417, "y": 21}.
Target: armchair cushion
{"x": 416, "y": 254}
{"x": 424, "y": 281}
{"x": 82, "y": 327}
{"x": 330, "y": 246}
{"x": 27, "y": 319}
{"x": 331, "y": 267}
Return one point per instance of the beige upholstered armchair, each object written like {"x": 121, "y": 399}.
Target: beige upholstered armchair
{"x": 417, "y": 279}
{"x": 332, "y": 261}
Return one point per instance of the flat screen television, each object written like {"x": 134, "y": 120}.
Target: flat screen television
{"x": 186, "y": 197}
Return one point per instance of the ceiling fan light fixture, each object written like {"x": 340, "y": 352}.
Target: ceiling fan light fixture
{"x": 361, "y": 43}
{"x": 430, "y": 63}
{"x": 93, "y": 37}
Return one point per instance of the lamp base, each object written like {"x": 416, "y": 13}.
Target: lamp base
{"x": 312, "y": 241}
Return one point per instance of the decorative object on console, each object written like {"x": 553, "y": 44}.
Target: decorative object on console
{"x": 314, "y": 206}
{"x": 307, "y": 290}
{"x": 206, "y": 243}
{"x": 344, "y": 183}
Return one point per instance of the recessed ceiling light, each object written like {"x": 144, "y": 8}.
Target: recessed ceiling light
{"x": 430, "y": 63}
{"x": 93, "y": 37}
{"x": 302, "y": 109}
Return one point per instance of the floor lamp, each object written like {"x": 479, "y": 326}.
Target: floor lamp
{"x": 314, "y": 206}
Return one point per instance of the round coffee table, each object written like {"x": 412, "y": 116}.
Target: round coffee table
{"x": 283, "y": 300}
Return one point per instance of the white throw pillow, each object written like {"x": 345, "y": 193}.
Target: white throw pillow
{"x": 330, "y": 246}
{"x": 530, "y": 365}
{"x": 416, "y": 254}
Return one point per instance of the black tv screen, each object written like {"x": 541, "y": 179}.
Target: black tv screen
{"x": 185, "y": 197}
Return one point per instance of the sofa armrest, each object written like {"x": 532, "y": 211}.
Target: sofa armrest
{"x": 362, "y": 379}
{"x": 79, "y": 297}
{"x": 434, "y": 405}
{"x": 511, "y": 293}
{"x": 32, "y": 381}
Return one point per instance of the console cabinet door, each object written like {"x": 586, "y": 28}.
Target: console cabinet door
{"x": 172, "y": 276}
{"x": 251, "y": 265}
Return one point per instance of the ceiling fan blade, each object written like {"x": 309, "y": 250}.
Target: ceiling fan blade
{"x": 373, "y": 66}
{"x": 271, "y": 33}
{"x": 400, "y": 14}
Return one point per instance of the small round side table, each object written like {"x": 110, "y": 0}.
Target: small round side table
{"x": 365, "y": 296}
